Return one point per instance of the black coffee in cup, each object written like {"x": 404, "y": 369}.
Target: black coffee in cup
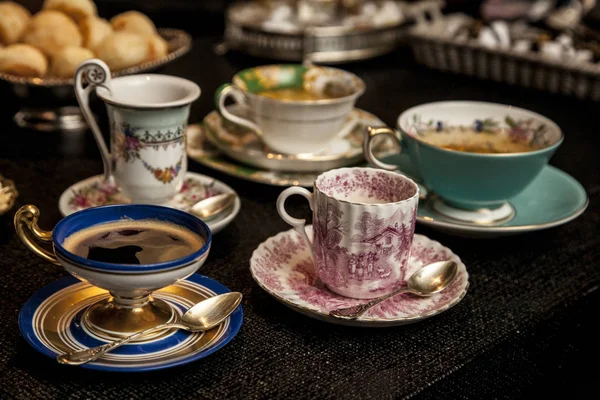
{"x": 134, "y": 242}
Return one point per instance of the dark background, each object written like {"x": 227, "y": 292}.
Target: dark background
{"x": 526, "y": 328}
{"x": 207, "y": 16}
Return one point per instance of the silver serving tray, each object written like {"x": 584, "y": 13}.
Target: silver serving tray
{"x": 326, "y": 44}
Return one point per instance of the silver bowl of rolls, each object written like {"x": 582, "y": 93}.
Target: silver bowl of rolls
{"x": 40, "y": 51}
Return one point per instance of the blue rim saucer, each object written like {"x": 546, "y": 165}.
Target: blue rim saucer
{"x": 50, "y": 322}
{"x": 553, "y": 198}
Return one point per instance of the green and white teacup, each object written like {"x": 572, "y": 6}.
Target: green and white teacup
{"x": 432, "y": 134}
{"x": 293, "y": 108}
{"x": 148, "y": 115}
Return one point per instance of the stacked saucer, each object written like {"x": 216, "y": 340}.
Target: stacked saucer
{"x": 235, "y": 150}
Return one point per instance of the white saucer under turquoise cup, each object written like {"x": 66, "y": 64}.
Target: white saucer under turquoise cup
{"x": 483, "y": 194}
{"x": 552, "y": 199}
{"x": 466, "y": 180}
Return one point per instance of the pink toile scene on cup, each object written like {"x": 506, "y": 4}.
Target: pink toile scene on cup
{"x": 364, "y": 223}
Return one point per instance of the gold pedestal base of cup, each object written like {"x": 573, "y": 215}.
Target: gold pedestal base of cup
{"x": 115, "y": 317}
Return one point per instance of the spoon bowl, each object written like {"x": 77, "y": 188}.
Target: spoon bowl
{"x": 203, "y": 316}
{"x": 429, "y": 279}
{"x": 211, "y": 207}
{"x": 432, "y": 278}
{"x": 210, "y": 312}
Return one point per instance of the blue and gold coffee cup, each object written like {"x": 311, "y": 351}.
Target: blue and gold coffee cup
{"x": 473, "y": 155}
{"x": 131, "y": 307}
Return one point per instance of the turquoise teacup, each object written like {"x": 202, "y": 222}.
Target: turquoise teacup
{"x": 472, "y": 180}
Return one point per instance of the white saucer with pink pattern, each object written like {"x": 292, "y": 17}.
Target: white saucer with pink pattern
{"x": 283, "y": 267}
{"x": 93, "y": 192}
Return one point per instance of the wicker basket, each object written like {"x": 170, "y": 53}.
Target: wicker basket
{"x": 531, "y": 70}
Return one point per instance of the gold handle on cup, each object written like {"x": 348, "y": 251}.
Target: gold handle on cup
{"x": 26, "y": 220}
{"x": 368, "y": 145}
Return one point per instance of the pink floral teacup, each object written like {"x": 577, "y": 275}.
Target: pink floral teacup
{"x": 148, "y": 116}
{"x": 363, "y": 227}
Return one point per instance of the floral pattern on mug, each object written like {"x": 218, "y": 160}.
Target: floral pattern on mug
{"x": 165, "y": 175}
{"x": 129, "y": 141}
{"x": 126, "y": 145}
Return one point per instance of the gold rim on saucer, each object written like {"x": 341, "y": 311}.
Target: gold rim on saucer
{"x": 244, "y": 146}
{"x": 51, "y": 322}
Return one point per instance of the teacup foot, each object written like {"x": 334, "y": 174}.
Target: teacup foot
{"x": 115, "y": 317}
{"x": 481, "y": 216}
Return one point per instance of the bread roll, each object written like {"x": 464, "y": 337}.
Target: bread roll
{"x": 13, "y": 20}
{"x": 123, "y": 49}
{"x": 24, "y": 60}
{"x": 158, "y": 47}
{"x": 133, "y": 21}
{"x": 76, "y": 9}
{"x": 66, "y": 60}
{"x": 51, "y": 30}
{"x": 94, "y": 30}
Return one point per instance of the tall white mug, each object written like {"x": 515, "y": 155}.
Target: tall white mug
{"x": 148, "y": 116}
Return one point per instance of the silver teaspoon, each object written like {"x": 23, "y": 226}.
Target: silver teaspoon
{"x": 201, "y": 317}
{"x": 213, "y": 206}
{"x": 430, "y": 279}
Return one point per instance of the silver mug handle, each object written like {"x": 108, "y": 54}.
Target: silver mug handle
{"x": 95, "y": 73}
{"x": 296, "y": 223}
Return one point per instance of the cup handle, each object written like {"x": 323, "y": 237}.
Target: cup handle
{"x": 27, "y": 217}
{"x": 221, "y": 95}
{"x": 296, "y": 223}
{"x": 368, "y": 146}
{"x": 96, "y": 73}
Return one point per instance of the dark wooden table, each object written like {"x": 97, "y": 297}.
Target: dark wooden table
{"x": 525, "y": 327}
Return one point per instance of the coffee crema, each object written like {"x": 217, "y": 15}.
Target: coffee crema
{"x": 135, "y": 242}
{"x": 471, "y": 141}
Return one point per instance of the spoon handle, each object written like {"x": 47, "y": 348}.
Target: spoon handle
{"x": 356, "y": 311}
{"x": 84, "y": 356}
